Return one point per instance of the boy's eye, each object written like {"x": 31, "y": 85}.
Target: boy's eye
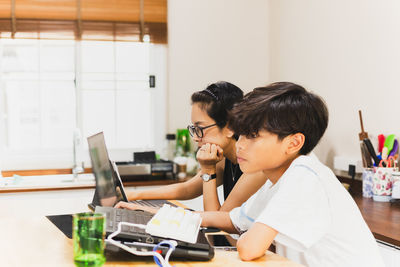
{"x": 252, "y": 135}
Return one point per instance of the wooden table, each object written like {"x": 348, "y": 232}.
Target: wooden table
{"x": 35, "y": 241}
{"x": 382, "y": 218}
{"x": 28, "y": 238}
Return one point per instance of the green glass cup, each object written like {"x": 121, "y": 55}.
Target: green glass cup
{"x": 88, "y": 235}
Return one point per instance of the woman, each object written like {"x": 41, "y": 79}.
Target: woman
{"x": 216, "y": 156}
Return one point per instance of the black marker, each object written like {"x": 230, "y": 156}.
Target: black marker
{"x": 371, "y": 151}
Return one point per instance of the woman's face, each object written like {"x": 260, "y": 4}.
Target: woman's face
{"x": 212, "y": 135}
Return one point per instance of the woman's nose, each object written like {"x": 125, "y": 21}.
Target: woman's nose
{"x": 196, "y": 138}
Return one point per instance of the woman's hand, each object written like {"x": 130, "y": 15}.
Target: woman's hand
{"x": 133, "y": 206}
{"x": 208, "y": 156}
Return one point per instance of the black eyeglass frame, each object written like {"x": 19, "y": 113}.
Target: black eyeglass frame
{"x": 193, "y": 130}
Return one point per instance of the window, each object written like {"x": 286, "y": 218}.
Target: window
{"x": 50, "y": 87}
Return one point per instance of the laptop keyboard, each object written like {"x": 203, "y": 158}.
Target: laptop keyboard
{"x": 155, "y": 203}
{"x": 114, "y": 216}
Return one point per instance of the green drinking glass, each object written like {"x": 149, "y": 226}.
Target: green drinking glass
{"x": 88, "y": 235}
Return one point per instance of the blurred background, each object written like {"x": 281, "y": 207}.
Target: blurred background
{"x": 86, "y": 65}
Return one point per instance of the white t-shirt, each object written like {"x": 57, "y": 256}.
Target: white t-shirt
{"x": 318, "y": 222}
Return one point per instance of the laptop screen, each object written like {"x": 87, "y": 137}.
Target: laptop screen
{"x": 108, "y": 193}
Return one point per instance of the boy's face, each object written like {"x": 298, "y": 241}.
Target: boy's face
{"x": 265, "y": 153}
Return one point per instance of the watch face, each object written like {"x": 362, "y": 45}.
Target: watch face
{"x": 206, "y": 177}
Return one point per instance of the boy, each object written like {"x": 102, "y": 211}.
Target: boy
{"x": 302, "y": 207}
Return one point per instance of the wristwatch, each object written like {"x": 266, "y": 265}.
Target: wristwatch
{"x": 207, "y": 177}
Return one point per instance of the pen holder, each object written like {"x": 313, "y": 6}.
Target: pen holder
{"x": 382, "y": 183}
{"x": 396, "y": 185}
{"x": 367, "y": 182}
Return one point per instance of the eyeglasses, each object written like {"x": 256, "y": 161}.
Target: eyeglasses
{"x": 198, "y": 130}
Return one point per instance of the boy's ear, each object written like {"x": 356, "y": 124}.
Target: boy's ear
{"x": 296, "y": 142}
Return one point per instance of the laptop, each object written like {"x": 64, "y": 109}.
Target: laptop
{"x": 106, "y": 168}
{"x": 109, "y": 191}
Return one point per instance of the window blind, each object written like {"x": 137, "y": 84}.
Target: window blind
{"x": 114, "y": 20}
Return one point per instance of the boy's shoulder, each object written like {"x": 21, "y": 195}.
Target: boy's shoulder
{"x": 310, "y": 165}
{"x": 309, "y": 169}
{"x": 310, "y": 162}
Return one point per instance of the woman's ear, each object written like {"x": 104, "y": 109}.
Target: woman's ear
{"x": 296, "y": 142}
{"x": 228, "y": 132}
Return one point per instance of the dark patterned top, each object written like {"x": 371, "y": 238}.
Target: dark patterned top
{"x": 232, "y": 174}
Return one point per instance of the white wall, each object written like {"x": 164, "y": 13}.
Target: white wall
{"x": 349, "y": 53}
{"x": 212, "y": 40}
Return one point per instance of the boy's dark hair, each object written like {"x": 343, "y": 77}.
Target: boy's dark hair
{"x": 217, "y": 100}
{"x": 281, "y": 108}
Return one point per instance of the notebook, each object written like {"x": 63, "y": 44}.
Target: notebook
{"x": 176, "y": 223}
{"x": 109, "y": 191}
{"x": 106, "y": 169}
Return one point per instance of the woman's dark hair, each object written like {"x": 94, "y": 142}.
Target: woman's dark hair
{"x": 217, "y": 100}
{"x": 281, "y": 108}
